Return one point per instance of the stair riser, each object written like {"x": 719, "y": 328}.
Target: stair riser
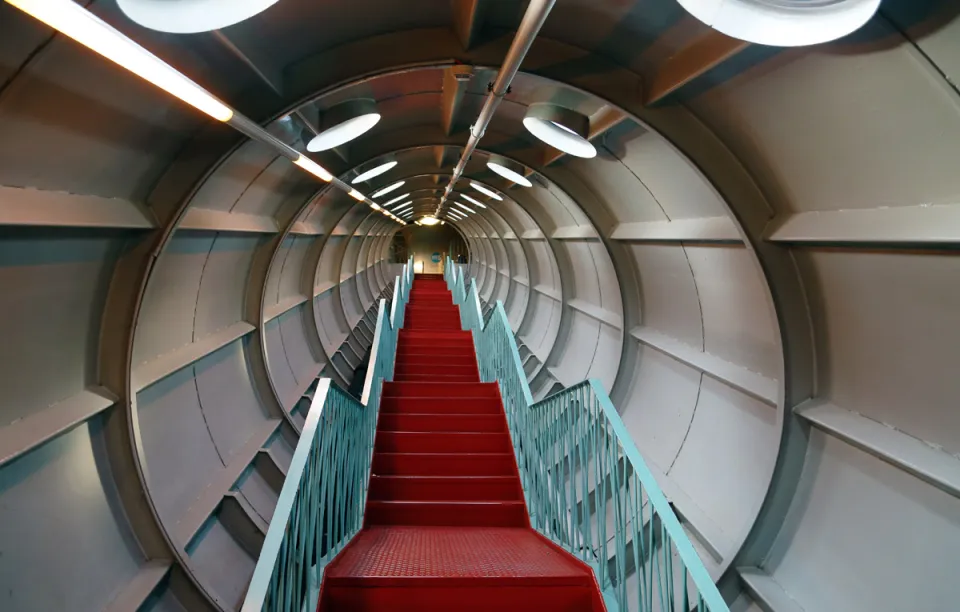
{"x": 463, "y": 378}
{"x": 443, "y": 465}
{"x": 402, "y": 442}
{"x": 452, "y": 489}
{"x": 493, "y": 423}
{"x": 454, "y": 391}
{"x": 502, "y": 514}
{"x": 427, "y": 360}
{"x": 463, "y": 599}
{"x": 426, "y": 405}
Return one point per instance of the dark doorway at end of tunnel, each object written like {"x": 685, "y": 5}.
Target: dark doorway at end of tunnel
{"x": 430, "y": 245}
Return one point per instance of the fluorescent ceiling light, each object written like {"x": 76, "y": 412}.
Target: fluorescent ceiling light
{"x": 373, "y": 172}
{"x": 485, "y": 191}
{"x": 473, "y": 200}
{"x": 402, "y": 206}
{"x": 376, "y": 206}
{"x": 388, "y": 189}
{"x": 456, "y": 215}
{"x": 356, "y": 195}
{"x": 397, "y": 199}
{"x": 313, "y": 168}
{"x": 74, "y": 21}
{"x": 344, "y": 122}
{"x": 190, "y": 17}
{"x": 560, "y": 137}
{"x": 465, "y": 207}
{"x": 783, "y": 23}
{"x": 509, "y": 174}
{"x": 429, "y": 220}
{"x": 342, "y": 133}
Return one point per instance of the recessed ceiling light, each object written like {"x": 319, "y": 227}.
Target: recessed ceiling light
{"x": 388, "y": 189}
{"x": 509, "y": 174}
{"x": 397, "y": 199}
{"x": 191, "y": 17}
{"x": 465, "y": 207}
{"x": 561, "y": 128}
{"x": 456, "y": 215}
{"x": 402, "y": 206}
{"x": 472, "y": 200}
{"x": 485, "y": 191}
{"x": 356, "y": 195}
{"x": 429, "y": 220}
{"x": 783, "y": 23}
{"x": 373, "y": 172}
{"x": 344, "y": 122}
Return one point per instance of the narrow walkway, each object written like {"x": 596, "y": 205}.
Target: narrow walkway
{"x": 446, "y": 525}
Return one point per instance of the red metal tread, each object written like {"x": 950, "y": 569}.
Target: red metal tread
{"x": 454, "y": 552}
{"x": 444, "y": 464}
{"x": 445, "y": 488}
{"x": 447, "y": 513}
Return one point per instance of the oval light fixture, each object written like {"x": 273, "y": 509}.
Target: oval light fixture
{"x": 473, "y": 200}
{"x": 388, "y": 189}
{"x": 500, "y": 167}
{"x": 396, "y": 199}
{"x": 429, "y": 220}
{"x": 191, "y": 16}
{"x": 561, "y": 128}
{"x": 344, "y": 122}
{"x": 373, "y": 172}
{"x": 783, "y": 23}
{"x": 465, "y": 207}
{"x": 485, "y": 191}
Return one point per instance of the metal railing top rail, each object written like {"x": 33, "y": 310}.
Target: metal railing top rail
{"x": 586, "y": 484}
{"x": 321, "y": 503}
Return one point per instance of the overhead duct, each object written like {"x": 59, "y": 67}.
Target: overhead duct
{"x": 533, "y": 20}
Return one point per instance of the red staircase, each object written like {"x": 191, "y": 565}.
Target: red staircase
{"x": 446, "y": 526}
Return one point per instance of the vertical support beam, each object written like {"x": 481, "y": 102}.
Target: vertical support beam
{"x": 468, "y": 17}
{"x": 455, "y": 81}
{"x": 706, "y": 52}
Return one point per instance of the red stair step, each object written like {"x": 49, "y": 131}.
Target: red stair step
{"x": 439, "y": 405}
{"x": 492, "y": 423}
{"x": 429, "y": 360}
{"x": 422, "y": 442}
{"x": 444, "y": 464}
{"x": 447, "y": 513}
{"x": 444, "y": 488}
{"x": 440, "y": 597}
{"x": 452, "y": 390}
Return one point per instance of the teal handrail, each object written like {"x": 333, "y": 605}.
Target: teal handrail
{"x": 587, "y": 487}
{"x": 324, "y": 495}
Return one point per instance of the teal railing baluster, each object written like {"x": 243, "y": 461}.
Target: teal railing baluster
{"x": 584, "y": 479}
{"x": 322, "y": 501}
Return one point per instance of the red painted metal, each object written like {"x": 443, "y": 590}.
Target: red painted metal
{"x": 446, "y": 527}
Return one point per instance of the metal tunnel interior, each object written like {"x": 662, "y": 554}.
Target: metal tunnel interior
{"x": 760, "y": 266}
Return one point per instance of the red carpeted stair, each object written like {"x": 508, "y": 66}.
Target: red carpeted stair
{"x": 446, "y": 526}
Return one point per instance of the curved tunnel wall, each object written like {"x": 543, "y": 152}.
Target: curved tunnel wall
{"x": 762, "y": 278}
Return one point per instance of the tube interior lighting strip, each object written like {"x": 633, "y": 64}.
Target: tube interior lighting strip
{"x": 465, "y": 207}
{"x": 473, "y": 200}
{"x": 485, "y": 191}
{"x": 79, "y": 24}
{"x": 388, "y": 189}
{"x": 397, "y": 199}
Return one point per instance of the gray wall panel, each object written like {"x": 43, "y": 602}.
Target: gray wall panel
{"x": 231, "y": 410}
{"x": 56, "y": 560}
{"x": 181, "y": 458}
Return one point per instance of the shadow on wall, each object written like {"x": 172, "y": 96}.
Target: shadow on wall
{"x": 915, "y": 19}
{"x": 429, "y": 245}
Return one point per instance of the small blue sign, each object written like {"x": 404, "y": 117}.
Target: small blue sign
{"x": 435, "y": 257}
